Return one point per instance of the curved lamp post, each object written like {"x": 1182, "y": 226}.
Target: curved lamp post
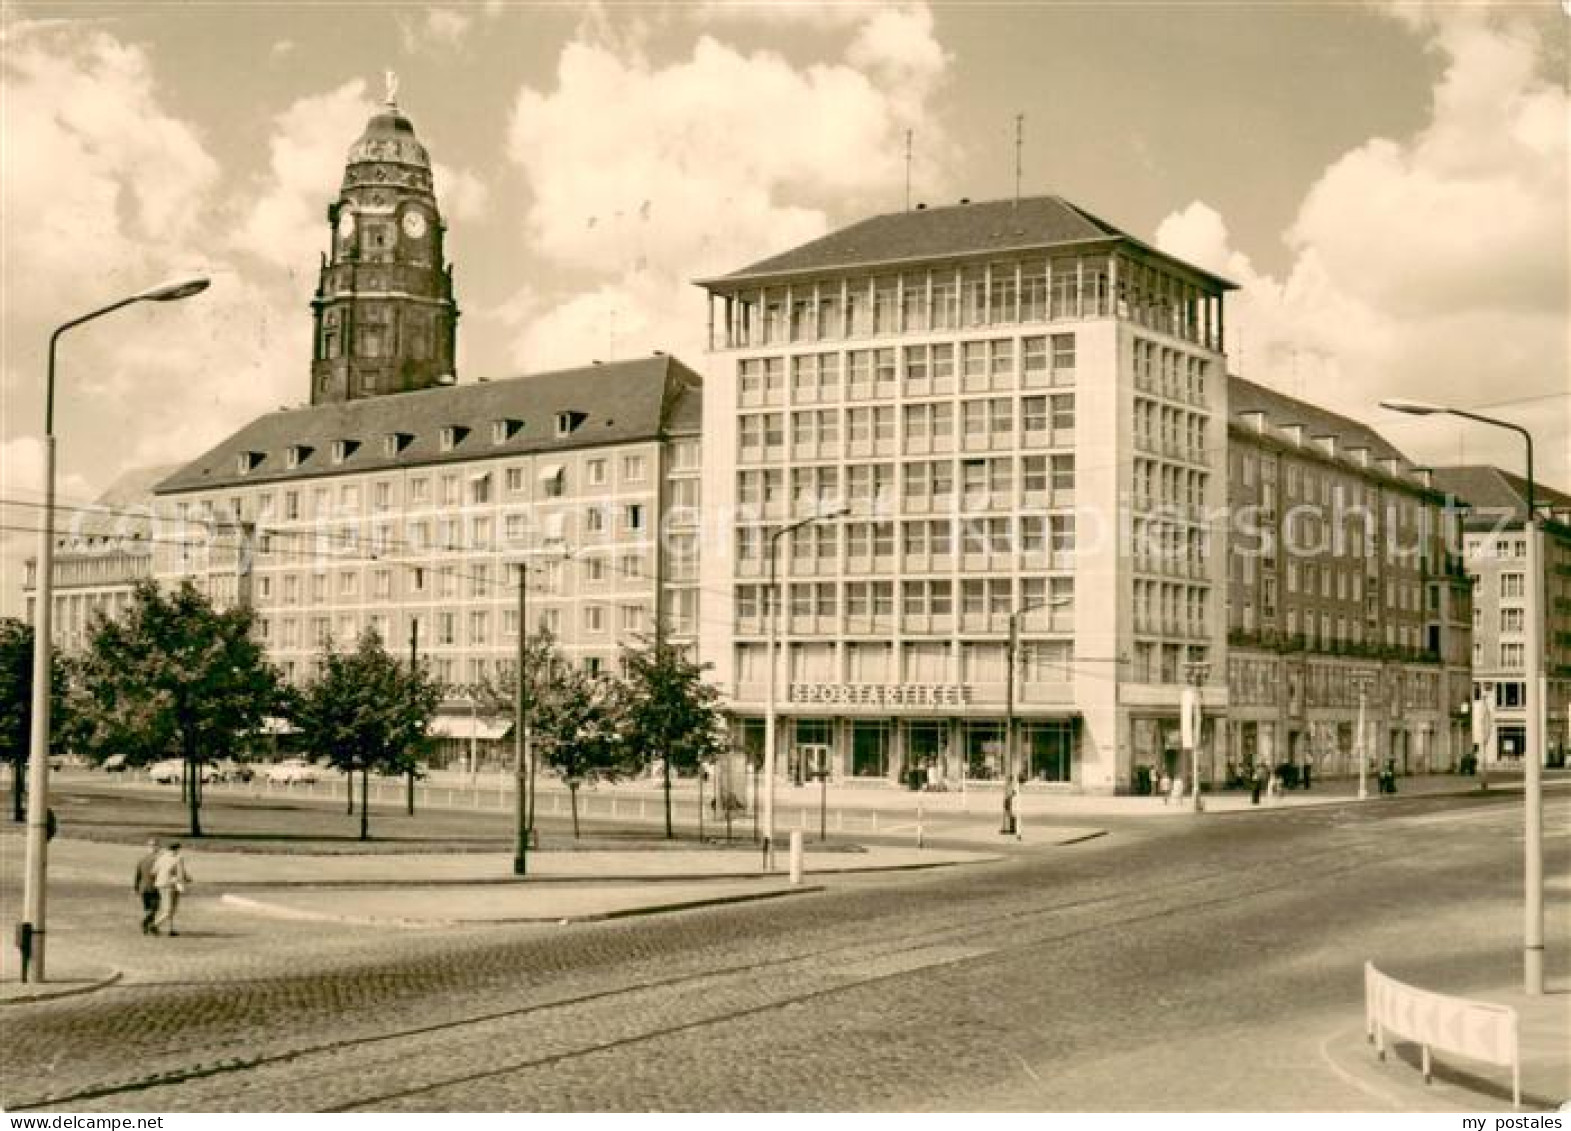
{"x": 38, "y": 746}
{"x": 1532, "y": 770}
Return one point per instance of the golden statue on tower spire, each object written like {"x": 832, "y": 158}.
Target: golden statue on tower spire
{"x": 390, "y": 77}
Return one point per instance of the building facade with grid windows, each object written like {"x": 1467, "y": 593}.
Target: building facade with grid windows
{"x": 1023, "y": 409}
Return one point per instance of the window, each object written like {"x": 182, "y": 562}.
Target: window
{"x": 633, "y": 466}
{"x": 566, "y": 422}
{"x": 594, "y": 618}
{"x": 1511, "y": 585}
{"x": 595, "y": 472}
{"x": 1513, "y": 655}
{"x": 633, "y": 517}
{"x": 1511, "y": 620}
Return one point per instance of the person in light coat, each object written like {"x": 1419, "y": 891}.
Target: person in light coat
{"x": 170, "y": 877}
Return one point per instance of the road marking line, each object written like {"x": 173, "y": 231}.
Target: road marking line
{"x": 1348, "y": 1078}
{"x": 1031, "y": 1072}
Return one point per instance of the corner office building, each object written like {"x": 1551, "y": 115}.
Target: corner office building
{"x": 1003, "y": 393}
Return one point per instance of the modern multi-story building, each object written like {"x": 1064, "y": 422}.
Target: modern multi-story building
{"x": 1506, "y": 603}
{"x": 101, "y": 552}
{"x": 1024, "y": 409}
{"x": 1345, "y": 582}
{"x": 402, "y": 501}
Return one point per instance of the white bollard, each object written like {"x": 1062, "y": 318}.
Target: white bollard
{"x": 796, "y": 856}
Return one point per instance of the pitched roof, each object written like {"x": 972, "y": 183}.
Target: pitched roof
{"x": 619, "y": 402}
{"x": 1489, "y": 488}
{"x": 1281, "y": 410}
{"x": 956, "y": 230}
{"x": 123, "y": 511}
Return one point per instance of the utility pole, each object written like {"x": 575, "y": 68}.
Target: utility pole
{"x": 521, "y": 751}
{"x": 1362, "y": 680}
{"x": 414, "y": 666}
{"x": 1190, "y": 718}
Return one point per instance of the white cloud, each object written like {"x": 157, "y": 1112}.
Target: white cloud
{"x": 1426, "y": 264}
{"x": 460, "y": 194}
{"x": 704, "y": 184}
{"x": 286, "y": 225}
{"x": 140, "y": 180}
{"x": 439, "y": 28}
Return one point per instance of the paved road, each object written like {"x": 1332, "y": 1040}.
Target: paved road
{"x": 1176, "y": 966}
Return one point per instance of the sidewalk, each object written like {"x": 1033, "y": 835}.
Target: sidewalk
{"x": 236, "y": 894}
{"x": 1458, "y": 1084}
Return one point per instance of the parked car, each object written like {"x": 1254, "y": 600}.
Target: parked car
{"x": 230, "y": 770}
{"x": 167, "y": 772}
{"x": 292, "y": 770}
{"x": 115, "y": 764}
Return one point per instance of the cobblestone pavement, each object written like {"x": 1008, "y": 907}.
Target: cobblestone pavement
{"x": 1195, "y": 966}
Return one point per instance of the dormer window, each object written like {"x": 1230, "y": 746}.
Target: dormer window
{"x": 247, "y": 462}
{"x": 451, "y": 436}
{"x": 343, "y": 449}
{"x": 395, "y": 442}
{"x": 566, "y": 422}
{"x": 505, "y": 429}
{"x": 296, "y": 455}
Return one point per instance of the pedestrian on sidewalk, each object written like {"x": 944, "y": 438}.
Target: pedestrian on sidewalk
{"x": 1164, "y": 786}
{"x": 1257, "y": 781}
{"x": 1309, "y": 768}
{"x": 145, "y": 887}
{"x": 1177, "y": 796}
{"x": 171, "y": 878}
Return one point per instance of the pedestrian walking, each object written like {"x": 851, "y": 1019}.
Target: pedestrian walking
{"x": 1256, "y": 781}
{"x": 1309, "y": 768}
{"x": 171, "y": 878}
{"x": 145, "y": 887}
{"x": 1164, "y": 786}
{"x": 1177, "y": 795}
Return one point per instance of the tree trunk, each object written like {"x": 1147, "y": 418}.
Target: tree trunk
{"x": 409, "y": 792}
{"x": 665, "y": 773}
{"x": 19, "y": 791}
{"x": 191, "y": 773}
{"x": 365, "y": 811}
{"x": 349, "y": 790}
{"x": 572, "y": 793}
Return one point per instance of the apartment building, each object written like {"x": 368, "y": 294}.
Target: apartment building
{"x": 101, "y": 551}
{"x": 1507, "y": 604}
{"x": 403, "y": 501}
{"x": 998, "y": 392}
{"x": 1345, "y": 584}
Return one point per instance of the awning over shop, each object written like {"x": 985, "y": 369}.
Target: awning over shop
{"x": 550, "y": 471}
{"x": 464, "y": 727}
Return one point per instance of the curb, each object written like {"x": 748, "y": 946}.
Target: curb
{"x": 72, "y": 990}
{"x": 664, "y": 878}
{"x": 279, "y": 912}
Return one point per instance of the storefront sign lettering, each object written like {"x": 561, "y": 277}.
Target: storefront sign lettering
{"x": 881, "y": 695}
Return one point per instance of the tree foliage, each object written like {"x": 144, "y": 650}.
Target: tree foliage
{"x": 16, "y": 704}
{"x": 672, "y": 712}
{"x": 173, "y": 675}
{"x": 367, "y": 712}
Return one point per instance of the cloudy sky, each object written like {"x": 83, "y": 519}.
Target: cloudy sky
{"x": 1388, "y": 182}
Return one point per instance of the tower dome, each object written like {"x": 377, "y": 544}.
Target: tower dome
{"x": 384, "y": 308}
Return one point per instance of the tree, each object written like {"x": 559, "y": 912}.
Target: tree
{"x": 173, "y": 673}
{"x": 368, "y": 711}
{"x": 16, "y": 706}
{"x": 577, "y": 726}
{"x": 497, "y": 697}
{"x": 672, "y": 711}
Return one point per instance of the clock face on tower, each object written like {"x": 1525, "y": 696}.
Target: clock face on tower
{"x": 414, "y": 224}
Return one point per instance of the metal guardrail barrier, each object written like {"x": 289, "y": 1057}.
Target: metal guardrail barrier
{"x": 1479, "y": 1030}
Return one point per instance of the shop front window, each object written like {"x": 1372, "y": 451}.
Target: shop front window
{"x": 1050, "y": 749}
{"x": 869, "y": 749}
{"x": 984, "y": 751}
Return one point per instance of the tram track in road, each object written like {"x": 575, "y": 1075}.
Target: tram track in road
{"x": 595, "y": 1022}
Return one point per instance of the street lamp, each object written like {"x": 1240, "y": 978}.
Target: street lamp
{"x": 1011, "y": 822}
{"x": 769, "y": 710}
{"x": 1532, "y": 771}
{"x": 38, "y": 746}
